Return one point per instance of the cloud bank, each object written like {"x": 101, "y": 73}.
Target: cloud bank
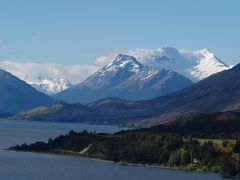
{"x": 30, "y": 72}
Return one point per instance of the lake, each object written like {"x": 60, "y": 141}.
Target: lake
{"x": 37, "y": 166}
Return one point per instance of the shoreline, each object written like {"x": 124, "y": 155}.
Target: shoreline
{"x": 121, "y": 163}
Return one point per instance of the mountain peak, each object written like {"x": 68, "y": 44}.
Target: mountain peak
{"x": 195, "y": 65}
{"x": 51, "y": 86}
{"x": 205, "y": 50}
{"x": 123, "y": 60}
{"x": 207, "y": 53}
{"x": 125, "y": 78}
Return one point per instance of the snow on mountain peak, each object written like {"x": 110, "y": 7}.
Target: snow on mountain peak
{"x": 205, "y": 51}
{"x": 122, "y": 61}
{"x": 51, "y": 86}
{"x": 120, "y": 69}
{"x": 207, "y": 64}
{"x": 195, "y": 65}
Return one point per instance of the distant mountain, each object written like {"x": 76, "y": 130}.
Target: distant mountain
{"x": 96, "y": 114}
{"x": 17, "y": 95}
{"x": 194, "y": 65}
{"x": 51, "y": 86}
{"x": 61, "y": 112}
{"x": 217, "y": 93}
{"x": 125, "y": 78}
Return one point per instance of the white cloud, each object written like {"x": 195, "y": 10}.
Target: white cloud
{"x": 108, "y": 57}
{"x": 30, "y": 72}
{"x": 145, "y": 56}
{"x": 194, "y": 65}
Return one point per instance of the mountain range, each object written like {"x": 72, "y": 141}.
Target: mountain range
{"x": 125, "y": 78}
{"x": 219, "y": 92}
{"x": 129, "y": 90}
{"x": 144, "y": 75}
{"x": 17, "y": 95}
{"x": 194, "y": 65}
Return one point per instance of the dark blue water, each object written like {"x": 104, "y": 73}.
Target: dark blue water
{"x": 36, "y": 166}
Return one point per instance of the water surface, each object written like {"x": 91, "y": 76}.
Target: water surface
{"x": 37, "y": 166}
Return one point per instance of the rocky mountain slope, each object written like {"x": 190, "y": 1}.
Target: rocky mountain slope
{"x": 125, "y": 78}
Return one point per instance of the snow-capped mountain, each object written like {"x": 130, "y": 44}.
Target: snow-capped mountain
{"x": 194, "y": 65}
{"x": 51, "y": 86}
{"x": 125, "y": 78}
{"x": 121, "y": 68}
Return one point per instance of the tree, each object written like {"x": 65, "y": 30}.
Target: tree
{"x": 236, "y": 148}
{"x": 175, "y": 158}
{"x": 185, "y": 158}
{"x": 228, "y": 166}
{"x": 225, "y": 143}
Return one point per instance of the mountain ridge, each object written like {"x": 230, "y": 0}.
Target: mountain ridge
{"x": 194, "y": 65}
{"x": 125, "y": 78}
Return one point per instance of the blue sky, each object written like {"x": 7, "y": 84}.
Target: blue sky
{"x": 78, "y": 31}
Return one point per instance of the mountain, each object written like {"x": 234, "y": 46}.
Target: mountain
{"x": 51, "y": 86}
{"x": 75, "y": 112}
{"x": 17, "y": 95}
{"x": 125, "y": 78}
{"x": 194, "y": 65}
{"x": 219, "y": 92}
{"x": 61, "y": 112}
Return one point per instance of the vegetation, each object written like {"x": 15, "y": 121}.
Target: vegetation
{"x": 146, "y": 147}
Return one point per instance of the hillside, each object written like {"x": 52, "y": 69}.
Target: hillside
{"x": 17, "y": 95}
{"x": 219, "y": 92}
